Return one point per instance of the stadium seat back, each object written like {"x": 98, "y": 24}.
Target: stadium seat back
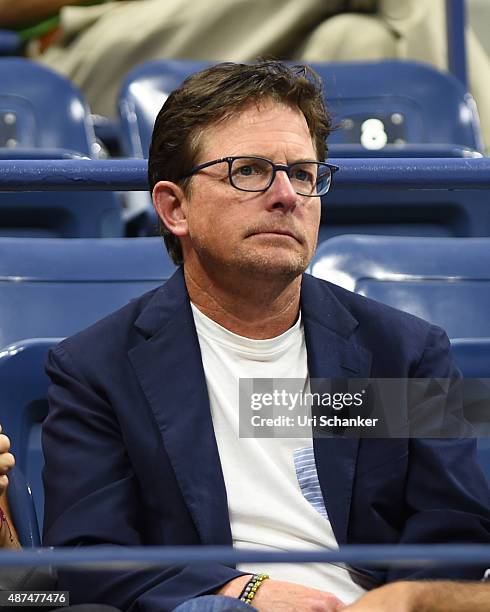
{"x": 375, "y": 104}
{"x": 443, "y": 280}
{"x": 43, "y": 116}
{"x": 23, "y": 391}
{"x": 56, "y": 287}
{"x": 23, "y": 510}
{"x": 143, "y": 93}
{"x": 50, "y": 289}
{"x": 54, "y": 214}
{"x": 71, "y": 214}
{"x": 40, "y": 108}
{"x": 472, "y": 356}
{"x": 398, "y": 102}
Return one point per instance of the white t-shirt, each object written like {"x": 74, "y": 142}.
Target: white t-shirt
{"x": 274, "y": 498}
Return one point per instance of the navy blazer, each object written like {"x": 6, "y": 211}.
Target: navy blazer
{"x": 131, "y": 456}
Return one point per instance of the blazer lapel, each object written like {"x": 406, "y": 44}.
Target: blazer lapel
{"x": 169, "y": 367}
{"x": 333, "y": 353}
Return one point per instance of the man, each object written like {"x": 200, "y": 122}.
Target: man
{"x": 141, "y": 443}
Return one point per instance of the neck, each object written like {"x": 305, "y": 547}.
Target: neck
{"x": 257, "y": 308}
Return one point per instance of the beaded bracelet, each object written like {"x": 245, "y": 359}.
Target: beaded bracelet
{"x": 252, "y": 587}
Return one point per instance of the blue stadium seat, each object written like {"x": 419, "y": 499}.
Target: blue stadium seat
{"x": 22, "y": 508}
{"x": 23, "y": 390}
{"x": 42, "y": 114}
{"x": 443, "y": 280}
{"x": 472, "y": 356}
{"x": 405, "y": 212}
{"x": 71, "y": 214}
{"x": 50, "y": 289}
{"x": 42, "y": 109}
{"x": 409, "y": 101}
{"x": 55, "y": 287}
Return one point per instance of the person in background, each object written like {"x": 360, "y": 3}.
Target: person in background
{"x": 96, "y": 43}
{"x": 402, "y": 29}
{"x": 37, "y": 21}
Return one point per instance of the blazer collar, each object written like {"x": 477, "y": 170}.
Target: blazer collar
{"x": 163, "y": 306}
{"x": 169, "y": 367}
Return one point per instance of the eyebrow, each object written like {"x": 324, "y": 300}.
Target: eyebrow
{"x": 296, "y": 161}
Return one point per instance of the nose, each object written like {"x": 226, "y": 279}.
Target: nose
{"x": 281, "y": 194}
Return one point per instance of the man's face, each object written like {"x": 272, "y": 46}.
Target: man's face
{"x": 265, "y": 233}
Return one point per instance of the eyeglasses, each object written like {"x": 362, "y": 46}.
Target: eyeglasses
{"x": 308, "y": 178}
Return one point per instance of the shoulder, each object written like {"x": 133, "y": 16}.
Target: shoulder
{"x": 364, "y": 310}
{"x": 111, "y": 335}
{"x": 401, "y": 343}
{"x": 135, "y": 321}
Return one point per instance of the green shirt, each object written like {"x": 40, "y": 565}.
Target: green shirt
{"x": 38, "y": 30}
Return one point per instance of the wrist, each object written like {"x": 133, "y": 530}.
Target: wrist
{"x": 412, "y": 593}
{"x": 250, "y": 590}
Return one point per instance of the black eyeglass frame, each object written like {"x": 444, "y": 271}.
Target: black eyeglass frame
{"x": 275, "y": 168}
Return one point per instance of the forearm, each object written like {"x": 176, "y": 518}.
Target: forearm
{"x": 151, "y": 590}
{"x": 16, "y": 13}
{"x": 425, "y": 596}
{"x": 446, "y": 596}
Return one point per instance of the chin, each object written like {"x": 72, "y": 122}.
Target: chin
{"x": 268, "y": 265}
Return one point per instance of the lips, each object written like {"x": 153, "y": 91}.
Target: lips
{"x": 279, "y": 232}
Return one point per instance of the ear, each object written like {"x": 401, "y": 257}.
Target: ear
{"x": 168, "y": 199}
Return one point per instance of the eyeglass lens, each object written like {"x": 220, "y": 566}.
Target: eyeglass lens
{"x": 307, "y": 178}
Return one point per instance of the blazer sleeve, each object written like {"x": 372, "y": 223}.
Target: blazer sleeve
{"x": 92, "y": 498}
{"x": 446, "y": 492}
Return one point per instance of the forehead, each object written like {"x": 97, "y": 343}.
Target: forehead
{"x": 265, "y": 128}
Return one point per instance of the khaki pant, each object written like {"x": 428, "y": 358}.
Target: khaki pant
{"x": 115, "y": 37}
{"x": 102, "y": 43}
{"x": 407, "y": 29}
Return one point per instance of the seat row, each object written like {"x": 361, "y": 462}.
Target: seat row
{"x": 384, "y": 109}
{"x": 53, "y": 288}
